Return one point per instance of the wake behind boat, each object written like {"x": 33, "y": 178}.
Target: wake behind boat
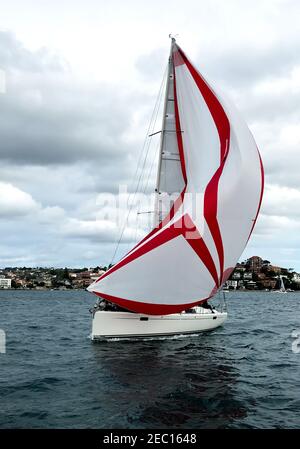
{"x": 209, "y": 157}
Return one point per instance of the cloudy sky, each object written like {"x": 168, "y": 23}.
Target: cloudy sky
{"x": 81, "y": 79}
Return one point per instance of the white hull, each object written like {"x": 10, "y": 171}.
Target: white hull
{"x": 126, "y": 325}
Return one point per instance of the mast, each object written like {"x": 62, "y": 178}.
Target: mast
{"x": 167, "y": 100}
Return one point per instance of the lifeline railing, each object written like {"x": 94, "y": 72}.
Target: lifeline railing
{"x": 222, "y": 305}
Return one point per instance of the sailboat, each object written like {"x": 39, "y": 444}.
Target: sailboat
{"x": 282, "y": 286}
{"x": 209, "y": 157}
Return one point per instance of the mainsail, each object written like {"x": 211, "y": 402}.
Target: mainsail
{"x": 209, "y": 157}
{"x": 170, "y": 180}
{"x": 282, "y": 286}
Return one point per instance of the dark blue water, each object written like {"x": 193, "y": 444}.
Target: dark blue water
{"x": 243, "y": 375}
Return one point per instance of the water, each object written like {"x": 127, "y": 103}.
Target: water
{"x": 243, "y": 375}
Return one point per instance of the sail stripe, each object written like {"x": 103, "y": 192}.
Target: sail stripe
{"x": 211, "y": 193}
{"x": 177, "y": 58}
{"x": 177, "y": 203}
{"x": 215, "y": 107}
{"x": 179, "y": 133}
{"x": 199, "y": 246}
{"x": 159, "y": 239}
{"x": 150, "y": 308}
{"x": 210, "y": 214}
{"x": 184, "y": 226}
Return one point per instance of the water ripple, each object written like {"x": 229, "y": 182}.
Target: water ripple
{"x": 243, "y": 375}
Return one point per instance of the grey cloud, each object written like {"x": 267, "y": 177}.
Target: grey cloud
{"x": 151, "y": 65}
{"x": 276, "y": 108}
{"x": 50, "y": 118}
{"x": 62, "y": 140}
{"x": 69, "y": 187}
{"x": 14, "y": 56}
{"x": 15, "y": 202}
{"x": 244, "y": 66}
{"x": 280, "y": 177}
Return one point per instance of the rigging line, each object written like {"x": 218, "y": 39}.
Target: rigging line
{"x": 137, "y": 224}
{"x": 150, "y": 127}
{"x": 145, "y": 181}
{"x": 154, "y": 158}
{"x": 133, "y": 197}
{"x": 135, "y": 232}
{"x": 153, "y": 117}
{"x": 152, "y": 165}
{"x": 149, "y": 175}
{"x": 149, "y": 141}
{"x": 140, "y": 182}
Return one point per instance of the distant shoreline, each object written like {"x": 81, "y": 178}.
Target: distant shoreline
{"x": 84, "y": 289}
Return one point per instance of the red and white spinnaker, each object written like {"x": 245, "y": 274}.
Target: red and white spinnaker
{"x": 210, "y": 157}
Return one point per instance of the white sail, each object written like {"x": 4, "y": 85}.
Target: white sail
{"x": 170, "y": 181}
{"x": 282, "y": 287}
{"x": 187, "y": 257}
